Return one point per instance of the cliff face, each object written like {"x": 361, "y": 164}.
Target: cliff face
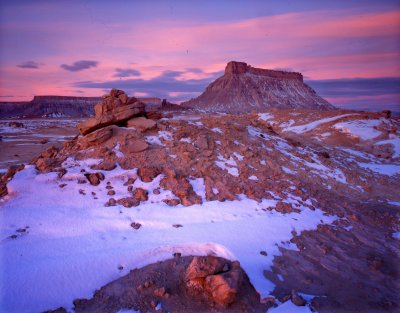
{"x": 58, "y": 106}
{"x": 243, "y": 89}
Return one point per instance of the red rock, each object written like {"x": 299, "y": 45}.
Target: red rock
{"x": 134, "y": 146}
{"x": 97, "y": 137}
{"x": 172, "y": 202}
{"x": 297, "y": 299}
{"x": 45, "y": 164}
{"x": 141, "y": 124}
{"x": 147, "y": 174}
{"x": 94, "y": 178}
{"x": 203, "y": 266}
{"x": 141, "y": 194}
{"x": 154, "y": 115}
{"x": 128, "y": 202}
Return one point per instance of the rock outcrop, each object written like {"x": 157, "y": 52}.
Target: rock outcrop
{"x": 160, "y": 287}
{"x": 116, "y": 108}
{"x": 243, "y": 89}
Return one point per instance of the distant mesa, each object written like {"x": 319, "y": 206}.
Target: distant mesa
{"x": 244, "y": 89}
{"x": 60, "y": 106}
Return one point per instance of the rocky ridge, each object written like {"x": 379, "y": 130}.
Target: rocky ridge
{"x": 244, "y": 89}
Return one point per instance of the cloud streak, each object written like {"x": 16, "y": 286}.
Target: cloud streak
{"x": 167, "y": 85}
{"x": 29, "y": 64}
{"x": 361, "y": 93}
{"x": 126, "y": 72}
{"x": 79, "y": 65}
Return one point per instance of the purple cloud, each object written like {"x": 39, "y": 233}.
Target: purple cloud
{"x": 126, "y": 72}
{"x": 29, "y": 64}
{"x": 79, "y": 65}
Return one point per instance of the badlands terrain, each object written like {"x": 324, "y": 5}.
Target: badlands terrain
{"x": 277, "y": 210}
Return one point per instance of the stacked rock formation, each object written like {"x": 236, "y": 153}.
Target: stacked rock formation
{"x": 115, "y": 108}
{"x": 243, "y": 89}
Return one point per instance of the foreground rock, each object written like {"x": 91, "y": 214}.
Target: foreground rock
{"x": 162, "y": 287}
{"x": 222, "y": 280}
{"x": 243, "y": 89}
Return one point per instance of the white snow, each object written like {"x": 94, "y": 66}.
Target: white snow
{"x": 117, "y": 151}
{"x": 217, "y": 130}
{"x": 289, "y": 307}
{"x": 74, "y": 244}
{"x": 265, "y": 116}
{"x": 310, "y": 126}
{"x": 239, "y": 156}
{"x": 396, "y": 235}
{"x": 384, "y": 169}
{"x": 228, "y": 164}
{"x": 253, "y": 177}
{"x": 156, "y": 139}
{"x": 186, "y": 139}
{"x": 363, "y": 129}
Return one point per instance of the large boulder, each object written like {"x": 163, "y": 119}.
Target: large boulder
{"x": 115, "y": 108}
{"x": 97, "y": 137}
{"x": 217, "y": 277}
{"x": 141, "y": 123}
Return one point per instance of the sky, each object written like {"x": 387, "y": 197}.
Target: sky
{"x": 348, "y": 51}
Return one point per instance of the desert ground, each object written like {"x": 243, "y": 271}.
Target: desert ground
{"x": 307, "y": 202}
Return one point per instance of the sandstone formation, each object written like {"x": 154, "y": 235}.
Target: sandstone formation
{"x": 244, "y": 89}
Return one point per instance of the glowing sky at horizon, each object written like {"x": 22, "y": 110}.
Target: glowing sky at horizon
{"x": 349, "y": 51}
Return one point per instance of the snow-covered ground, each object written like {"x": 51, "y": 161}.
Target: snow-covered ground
{"x": 59, "y": 244}
{"x": 363, "y": 129}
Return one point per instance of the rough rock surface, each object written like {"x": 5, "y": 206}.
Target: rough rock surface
{"x": 244, "y": 89}
{"x": 160, "y": 287}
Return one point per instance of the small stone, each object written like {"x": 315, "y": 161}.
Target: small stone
{"x": 297, "y": 299}
{"x": 264, "y": 253}
{"x": 111, "y": 202}
{"x": 140, "y": 194}
{"x": 130, "y": 188}
{"x": 111, "y": 192}
{"x": 172, "y": 202}
{"x": 130, "y": 181}
{"x": 109, "y": 187}
{"x": 177, "y": 255}
{"x": 136, "y": 225}
{"x": 82, "y": 192}
{"x": 62, "y": 185}
{"x": 177, "y": 225}
{"x": 156, "y": 191}
{"x": 160, "y": 292}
